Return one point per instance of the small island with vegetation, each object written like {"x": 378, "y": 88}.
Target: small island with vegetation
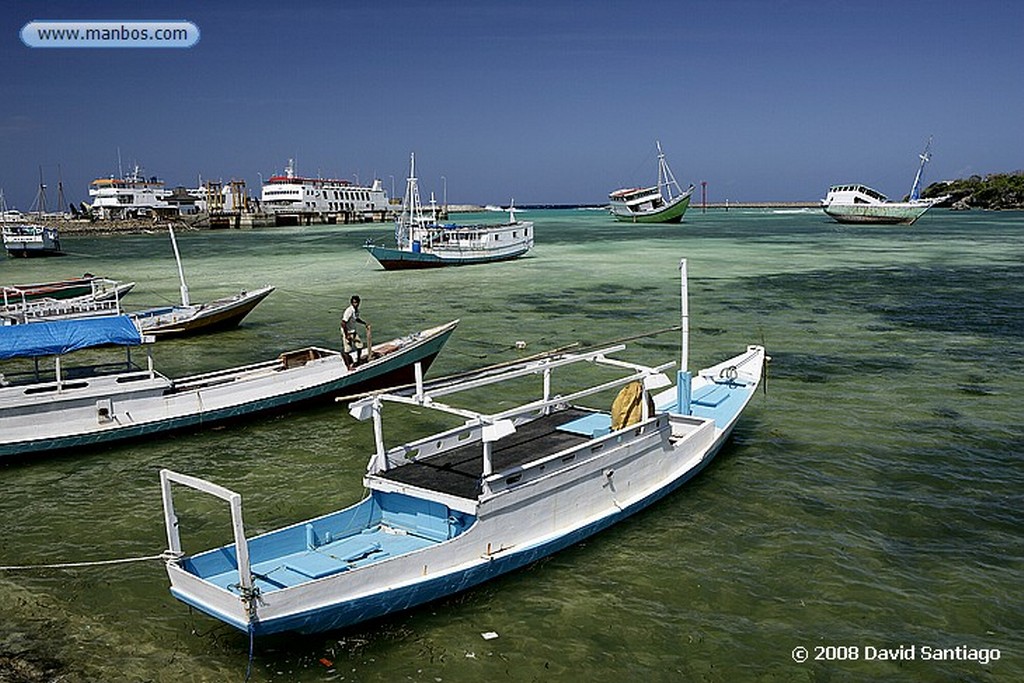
{"x": 993, "y": 192}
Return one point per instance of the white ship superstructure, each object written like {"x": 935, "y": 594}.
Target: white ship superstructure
{"x": 327, "y": 199}
{"x": 136, "y": 196}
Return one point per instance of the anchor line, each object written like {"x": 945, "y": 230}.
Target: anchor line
{"x": 91, "y": 563}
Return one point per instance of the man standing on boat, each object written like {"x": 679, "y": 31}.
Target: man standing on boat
{"x": 352, "y": 344}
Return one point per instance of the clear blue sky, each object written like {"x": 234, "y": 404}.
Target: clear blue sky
{"x": 549, "y": 102}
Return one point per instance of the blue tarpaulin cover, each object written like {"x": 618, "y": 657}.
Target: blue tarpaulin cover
{"x": 64, "y": 336}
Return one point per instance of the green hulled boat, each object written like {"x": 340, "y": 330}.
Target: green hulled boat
{"x": 661, "y": 203}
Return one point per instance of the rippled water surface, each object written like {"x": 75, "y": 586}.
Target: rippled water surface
{"x": 873, "y": 497}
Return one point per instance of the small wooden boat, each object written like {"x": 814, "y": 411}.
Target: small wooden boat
{"x": 188, "y": 318}
{"x": 661, "y": 203}
{"x": 219, "y": 314}
{"x": 423, "y": 242}
{"x": 859, "y": 204}
{"x": 85, "y": 406}
{"x": 29, "y": 240}
{"x": 23, "y": 303}
{"x": 90, "y": 285}
{"x": 447, "y": 512}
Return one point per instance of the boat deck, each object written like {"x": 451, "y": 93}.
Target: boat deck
{"x": 458, "y": 472}
{"x": 316, "y": 562}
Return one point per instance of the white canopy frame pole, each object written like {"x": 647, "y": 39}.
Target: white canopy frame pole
{"x": 547, "y": 389}
{"x": 683, "y": 377}
{"x": 378, "y": 435}
{"x": 684, "y": 305}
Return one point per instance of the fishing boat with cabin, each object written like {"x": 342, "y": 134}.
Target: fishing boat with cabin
{"x": 29, "y": 240}
{"x": 464, "y": 505}
{"x": 859, "y": 204}
{"x": 423, "y": 242}
{"x": 664, "y": 202}
{"x": 43, "y": 410}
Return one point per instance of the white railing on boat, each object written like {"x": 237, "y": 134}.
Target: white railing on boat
{"x": 489, "y": 428}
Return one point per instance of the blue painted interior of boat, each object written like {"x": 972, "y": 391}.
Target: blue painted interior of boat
{"x": 380, "y": 526}
{"x": 711, "y": 396}
{"x": 153, "y": 312}
{"x": 590, "y": 426}
{"x": 719, "y": 401}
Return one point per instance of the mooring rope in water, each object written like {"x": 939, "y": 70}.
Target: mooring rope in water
{"x": 252, "y": 650}
{"x": 91, "y": 563}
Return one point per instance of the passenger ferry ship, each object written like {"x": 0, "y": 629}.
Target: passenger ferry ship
{"x": 130, "y": 197}
{"x": 294, "y": 199}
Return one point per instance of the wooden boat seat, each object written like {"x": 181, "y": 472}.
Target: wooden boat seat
{"x": 590, "y": 426}
{"x": 711, "y": 396}
{"x": 327, "y": 560}
{"x": 323, "y": 562}
{"x": 295, "y": 359}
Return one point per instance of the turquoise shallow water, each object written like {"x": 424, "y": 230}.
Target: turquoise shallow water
{"x": 873, "y": 497}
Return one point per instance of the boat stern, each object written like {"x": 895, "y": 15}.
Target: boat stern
{"x": 217, "y": 602}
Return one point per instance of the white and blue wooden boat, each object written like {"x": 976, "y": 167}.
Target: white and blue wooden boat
{"x": 423, "y": 242}
{"x": 447, "y": 512}
{"x": 85, "y": 406}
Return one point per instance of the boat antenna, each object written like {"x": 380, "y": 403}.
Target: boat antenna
{"x": 925, "y": 156}
{"x": 181, "y": 272}
{"x": 512, "y": 210}
{"x": 684, "y": 380}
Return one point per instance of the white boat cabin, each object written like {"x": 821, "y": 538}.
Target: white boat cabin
{"x": 638, "y": 199}
{"x": 853, "y": 194}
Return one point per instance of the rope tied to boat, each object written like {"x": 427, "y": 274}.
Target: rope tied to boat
{"x": 164, "y": 556}
{"x": 250, "y": 598}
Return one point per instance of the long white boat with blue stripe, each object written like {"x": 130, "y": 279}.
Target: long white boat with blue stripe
{"x": 423, "y": 242}
{"x": 68, "y": 407}
{"x": 447, "y": 512}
